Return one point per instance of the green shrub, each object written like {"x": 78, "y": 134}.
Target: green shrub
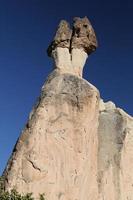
{"x": 14, "y": 195}
{"x": 1, "y": 184}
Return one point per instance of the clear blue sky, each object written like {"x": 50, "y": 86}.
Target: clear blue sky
{"x": 27, "y": 27}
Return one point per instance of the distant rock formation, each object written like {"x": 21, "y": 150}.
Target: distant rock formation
{"x": 74, "y": 146}
{"x": 115, "y": 153}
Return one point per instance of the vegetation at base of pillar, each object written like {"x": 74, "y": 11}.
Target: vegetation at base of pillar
{"x": 14, "y": 195}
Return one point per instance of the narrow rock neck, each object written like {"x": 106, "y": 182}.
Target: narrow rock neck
{"x": 69, "y": 62}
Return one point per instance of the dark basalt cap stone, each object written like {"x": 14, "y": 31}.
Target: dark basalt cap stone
{"x": 81, "y": 36}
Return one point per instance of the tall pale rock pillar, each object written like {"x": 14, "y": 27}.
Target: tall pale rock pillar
{"x": 73, "y": 147}
{"x": 56, "y": 153}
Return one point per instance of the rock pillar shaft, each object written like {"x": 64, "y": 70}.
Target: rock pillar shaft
{"x": 57, "y": 152}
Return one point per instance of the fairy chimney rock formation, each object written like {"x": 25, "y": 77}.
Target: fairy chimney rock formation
{"x": 56, "y": 153}
{"x": 71, "y": 47}
{"x": 74, "y": 146}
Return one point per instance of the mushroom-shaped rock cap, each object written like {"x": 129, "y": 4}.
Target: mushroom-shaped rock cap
{"x": 83, "y": 35}
{"x": 62, "y": 37}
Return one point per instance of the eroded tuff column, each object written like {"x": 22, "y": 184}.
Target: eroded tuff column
{"x": 71, "y": 148}
{"x": 56, "y": 153}
{"x": 70, "y": 48}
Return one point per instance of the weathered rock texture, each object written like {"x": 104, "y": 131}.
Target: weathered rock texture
{"x": 57, "y": 151}
{"x": 115, "y": 154}
{"x": 74, "y": 146}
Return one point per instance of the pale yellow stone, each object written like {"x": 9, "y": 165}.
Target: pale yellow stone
{"x": 57, "y": 152}
{"x": 66, "y": 62}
